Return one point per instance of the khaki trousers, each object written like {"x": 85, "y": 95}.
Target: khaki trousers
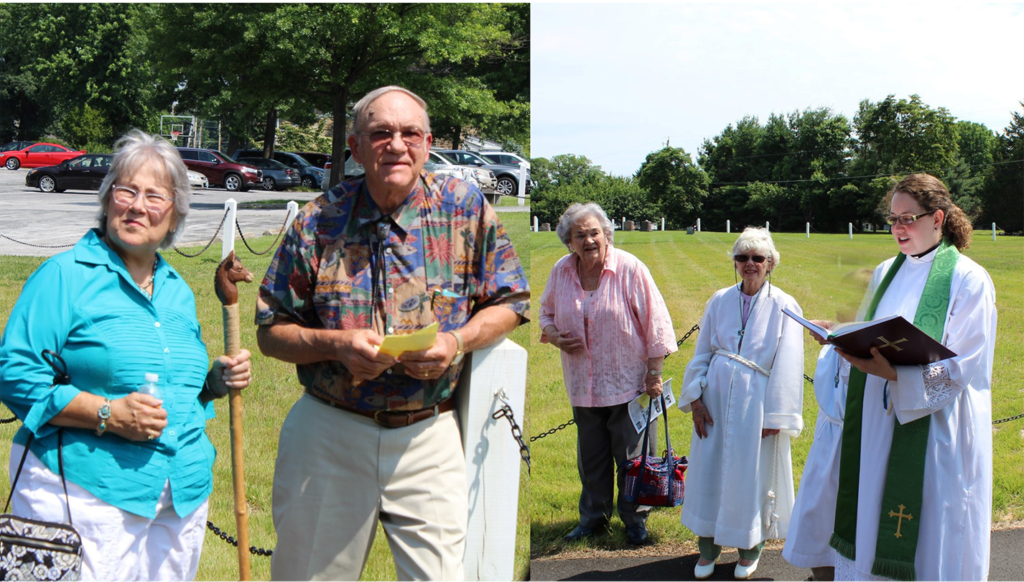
{"x": 337, "y": 473}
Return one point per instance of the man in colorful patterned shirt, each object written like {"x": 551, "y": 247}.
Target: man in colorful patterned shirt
{"x": 374, "y": 436}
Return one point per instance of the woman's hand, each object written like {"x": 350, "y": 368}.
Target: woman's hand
{"x": 877, "y": 365}
{"x": 652, "y": 385}
{"x": 566, "y": 342}
{"x": 701, "y": 418}
{"x": 231, "y": 373}
{"x": 767, "y": 432}
{"x": 137, "y": 417}
{"x": 821, "y": 323}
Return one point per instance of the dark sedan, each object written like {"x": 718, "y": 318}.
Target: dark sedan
{"x": 85, "y": 172}
{"x": 276, "y": 176}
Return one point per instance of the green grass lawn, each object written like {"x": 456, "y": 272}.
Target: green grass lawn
{"x": 815, "y": 271}
{"x": 266, "y": 403}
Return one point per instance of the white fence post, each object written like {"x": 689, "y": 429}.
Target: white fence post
{"x": 766, "y": 226}
{"x": 662, "y": 224}
{"x": 492, "y": 457}
{"x": 293, "y": 211}
{"x": 993, "y": 232}
{"x": 728, "y": 227}
{"x": 522, "y": 185}
{"x": 808, "y": 230}
{"x": 536, "y": 224}
{"x": 850, "y": 228}
{"x": 227, "y": 233}
{"x": 698, "y": 225}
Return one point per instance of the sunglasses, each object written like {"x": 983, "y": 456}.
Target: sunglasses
{"x": 744, "y": 258}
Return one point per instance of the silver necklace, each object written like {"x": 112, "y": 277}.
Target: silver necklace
{"x": 750, "y": 314}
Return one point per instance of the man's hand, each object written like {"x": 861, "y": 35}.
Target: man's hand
{"x": 358, "y": 350}
{"x": 701, "y": 418}
{"x": 877, "y": 365}
{"x": 137, "y": 417}
{"x": 429, "y": 364}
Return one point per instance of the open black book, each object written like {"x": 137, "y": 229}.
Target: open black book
{"x": 898, "y": 340}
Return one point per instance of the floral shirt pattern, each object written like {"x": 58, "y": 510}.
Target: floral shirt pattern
{"x": 443, "y": 238}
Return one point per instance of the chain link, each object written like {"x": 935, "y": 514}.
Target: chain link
{"x": 8, "y": 420}
{"x": 273, "y": 245}
{"x": 252, "y": 549}
{"x": 517, "y": 433}
{"x": 37, "y": 246}
{"x": 687, "y": 335}
{"x": 219, "y": 226}
{"x": 553, "y": 431}
{"x": 1008, "y": 419}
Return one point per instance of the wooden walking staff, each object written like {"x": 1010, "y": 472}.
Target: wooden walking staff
{"x": 229, "y": 273}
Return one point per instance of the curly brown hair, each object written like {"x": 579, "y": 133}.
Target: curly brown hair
{"x": 932, "y": 195}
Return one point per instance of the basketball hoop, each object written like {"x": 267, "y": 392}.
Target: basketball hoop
{"x": 174, "y": 135}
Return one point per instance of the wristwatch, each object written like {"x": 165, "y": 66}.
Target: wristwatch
{"x": 654, "y": 372}
{"x": 459, "y": 351}
{"x": 104, "y": 414}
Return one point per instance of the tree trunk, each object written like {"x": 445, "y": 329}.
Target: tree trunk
{"x": 269, "y": 134}
{"x": 457, "y": 137}
{"x": 339, "y": 136}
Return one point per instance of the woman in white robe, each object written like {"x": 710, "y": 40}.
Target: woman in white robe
{"x": 956, "y": 506}
{"x": 814, "y": 512}
{"x": 744, "y": 386}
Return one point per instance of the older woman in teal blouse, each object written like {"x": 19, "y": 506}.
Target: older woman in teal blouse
{"x": 138, "y": 467}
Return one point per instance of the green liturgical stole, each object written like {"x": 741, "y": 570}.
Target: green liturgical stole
{"x": 900, "y": 518}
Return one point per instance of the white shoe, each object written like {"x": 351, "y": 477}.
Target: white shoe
{"x": 744, "y": 572}
{"x": 704, "y": 572}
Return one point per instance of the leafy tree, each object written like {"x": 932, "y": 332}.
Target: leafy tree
{"x": 675, "y": 184}
{"x": 563, "y": 169}
{"x": 308, "y": 138}
{"x": 58, "y": 58}
{"x": 898, "y": 137}
{"x": 966, "y": 180}
{"x": 1003, "y": 197}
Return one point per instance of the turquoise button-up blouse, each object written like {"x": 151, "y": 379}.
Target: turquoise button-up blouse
{"x": 83, "y": 305}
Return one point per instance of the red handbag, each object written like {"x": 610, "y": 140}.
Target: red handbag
{"x": 656, "y": 481}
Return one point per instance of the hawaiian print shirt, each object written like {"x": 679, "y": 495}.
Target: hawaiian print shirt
{"x": 442, "y": 256}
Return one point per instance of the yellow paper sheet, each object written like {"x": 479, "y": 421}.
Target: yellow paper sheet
{"x": 396, "y": 345}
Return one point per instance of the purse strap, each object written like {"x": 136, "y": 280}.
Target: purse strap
{"x": 61, "y": 376}
{"x": 670, "y": 457}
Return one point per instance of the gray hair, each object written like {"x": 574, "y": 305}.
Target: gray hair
{"x": 359, "y": 109}
{"x": 577, "y": 212}
{"x": 756, "y": 238}
{"x": 131, "y": 152}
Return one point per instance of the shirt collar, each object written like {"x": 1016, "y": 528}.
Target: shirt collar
{"x": 406, "y": 216}
{"x": 925, "y": 258}
{"x": 91, "y": 250}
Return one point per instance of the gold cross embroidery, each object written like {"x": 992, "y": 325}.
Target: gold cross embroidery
{"x": 889, "y": 344}
{"x": 900, "y": 515}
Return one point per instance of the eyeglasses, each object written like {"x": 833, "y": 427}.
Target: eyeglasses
{"x": 153, "y": 202}
{"x": 906, "y": 219}
{"x": 413, "y": 137}
{"x": 744, "y": 258}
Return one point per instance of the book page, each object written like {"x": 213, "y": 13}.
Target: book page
{"x": 853, "y": 326}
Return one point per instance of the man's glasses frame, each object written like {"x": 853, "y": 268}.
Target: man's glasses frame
{"x": 412, "y": 136}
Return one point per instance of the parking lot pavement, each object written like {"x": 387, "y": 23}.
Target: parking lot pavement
{"x": 59, "y": 220}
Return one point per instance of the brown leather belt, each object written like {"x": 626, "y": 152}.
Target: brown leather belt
{"x": 395, "y": 418}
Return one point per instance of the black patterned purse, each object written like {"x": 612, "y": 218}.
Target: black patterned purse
{"x": 40, "y": 550}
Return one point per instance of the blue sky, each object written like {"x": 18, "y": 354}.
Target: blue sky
{"x": 613, "y": 82}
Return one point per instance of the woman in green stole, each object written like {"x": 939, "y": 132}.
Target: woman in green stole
{"x": 915, "y": 476}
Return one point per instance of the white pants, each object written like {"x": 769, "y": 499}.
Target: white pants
{"x": 116, "y": 545}
{"x": 337, "y": 473}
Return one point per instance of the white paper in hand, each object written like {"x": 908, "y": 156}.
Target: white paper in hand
{"x": 638, "y": 406}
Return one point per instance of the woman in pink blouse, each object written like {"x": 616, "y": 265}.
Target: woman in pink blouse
{"x": 602, "y": 308}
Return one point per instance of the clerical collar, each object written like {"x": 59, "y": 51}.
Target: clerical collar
{"x": 918, "y": 256}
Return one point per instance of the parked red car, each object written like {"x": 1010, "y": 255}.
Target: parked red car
{"x": 221, "y": 169}
{"x": 37, "y": 155}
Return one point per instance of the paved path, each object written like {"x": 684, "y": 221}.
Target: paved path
{"x": 1007, "y": 546}
{"x": 59, "y": 220}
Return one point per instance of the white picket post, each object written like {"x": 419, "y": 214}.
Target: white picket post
{"x": 227, "y": 233}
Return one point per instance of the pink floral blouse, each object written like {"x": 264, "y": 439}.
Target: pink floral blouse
{"x": 628, "y": 324}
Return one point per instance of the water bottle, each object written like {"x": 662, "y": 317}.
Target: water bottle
{"x": 151, "y": 387}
